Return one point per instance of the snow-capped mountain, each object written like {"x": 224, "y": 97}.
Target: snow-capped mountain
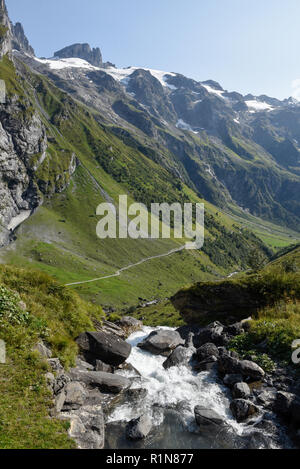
{"x": 230, "y": 148}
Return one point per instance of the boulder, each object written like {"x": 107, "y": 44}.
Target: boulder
{"x": 241, "y": 391}
{"x": 207, "y": 417}
{"x": 43, "y": 350}
{"x": 109, "y": 327}
{"x": 206, "y": 351}
{"x": 75, "y": 396}
{"x": 58, "y": 403}
{"x": 101, "y": 366}
{"x": 108, "y": 348}
{"x": 87, "y": 427}
{"x": 139, "y": 428}
{"x": 230, "y": 365}
{"x": 257, "y": 440}
{"x": 130, "y": 324}
{"x": 251, "y": 370}
{"x": 243, "y": 409}
{"x": 206, "y": 365}
{"x": 180, "y": 356}
{"x": 211, "y": 334}
{"x": 231, "y": 379}
{"x": 60, "y": 382}
{"x": 106, "y": 382}
{"x": 83, "y": 365}
{"x": 161, "y": 342}
{"x": 266, "y": 398}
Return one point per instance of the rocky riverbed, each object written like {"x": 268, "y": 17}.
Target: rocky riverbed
{"x": 166, "y": 388}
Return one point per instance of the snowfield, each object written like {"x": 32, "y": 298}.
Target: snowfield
{"x": 123, "y": 75}
{"x": 214, "y": 91}
{"x": 59, "y": 64}
{"x": 184, "y": 126}
{"x": 256, "y": 106}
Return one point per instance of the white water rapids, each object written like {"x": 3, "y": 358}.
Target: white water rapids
{"x": 177, "y": 388}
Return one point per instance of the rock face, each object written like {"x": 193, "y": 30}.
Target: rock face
{"x": 5, "y": 31}
{"x": 87, "y": 427}
{"x": 23, "y": 143}
{"x": 20, "y": 41}
{"x": 105, "y": 347}
{"x": 81, "y": 51}
{"x": 75, "y": 395}
{"x": 139, "y": 428}
{"x": 161, "y": 342}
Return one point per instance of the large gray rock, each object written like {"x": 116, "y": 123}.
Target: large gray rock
{"x": 129, "y": 325}
{"x": 251, "y": 370}
{"x": 87, "y": 427}
{"x": 139, "y": 428}
{"x": 58, "y": 403}
{"x": 43, "y": 350}
{"x": 229, "y": 365}
{"x": 207, "y": 417}
{"x": 161, "y": 342}
{"x": 106, "y": 382}
{"x": 105, "y": 347}
{"x": 267, "y": 399}
{"x": 206, "y": 351}
{"x": 231, "y": 379}
{"x": 206, "y": 365}
{"x": 180, "y": 356}
{"x": 128, "y": 321}
{"x": 75, "y": 396}
{"x": 243, "y": 409}
{"x": 241, "y": 391}
{"x": 210, "y": 334}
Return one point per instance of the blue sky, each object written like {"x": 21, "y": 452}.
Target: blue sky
{"x": 246, "y": 45}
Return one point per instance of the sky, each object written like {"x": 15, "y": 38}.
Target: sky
{"x": 249, "y": 46}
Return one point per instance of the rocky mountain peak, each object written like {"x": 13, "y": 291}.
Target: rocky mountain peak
{"x": 20, "y": 41}
{"x": 5, "y": 31}
{"x": 81, "y": 51}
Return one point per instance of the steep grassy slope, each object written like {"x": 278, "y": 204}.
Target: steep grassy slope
{"x": 34, "y": 307}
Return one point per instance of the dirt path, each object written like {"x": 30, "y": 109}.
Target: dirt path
{"x": 130, "y": 266}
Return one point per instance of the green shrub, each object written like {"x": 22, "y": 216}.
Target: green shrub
{"x": 10, "y": 309}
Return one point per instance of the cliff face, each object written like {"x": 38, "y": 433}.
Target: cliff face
{"x": 31, "y": 167}
{"x": 20, "y": 41}
{"x": 81, "y": 51}
{"x": 5, "y": 31}
{"x": 20, "y": 141}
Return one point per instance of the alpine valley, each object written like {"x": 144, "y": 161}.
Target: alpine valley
{"x": 119, "y": 339}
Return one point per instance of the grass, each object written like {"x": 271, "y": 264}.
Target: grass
{"x": 161, "y": 314}
{"x": 34, "y": 307}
